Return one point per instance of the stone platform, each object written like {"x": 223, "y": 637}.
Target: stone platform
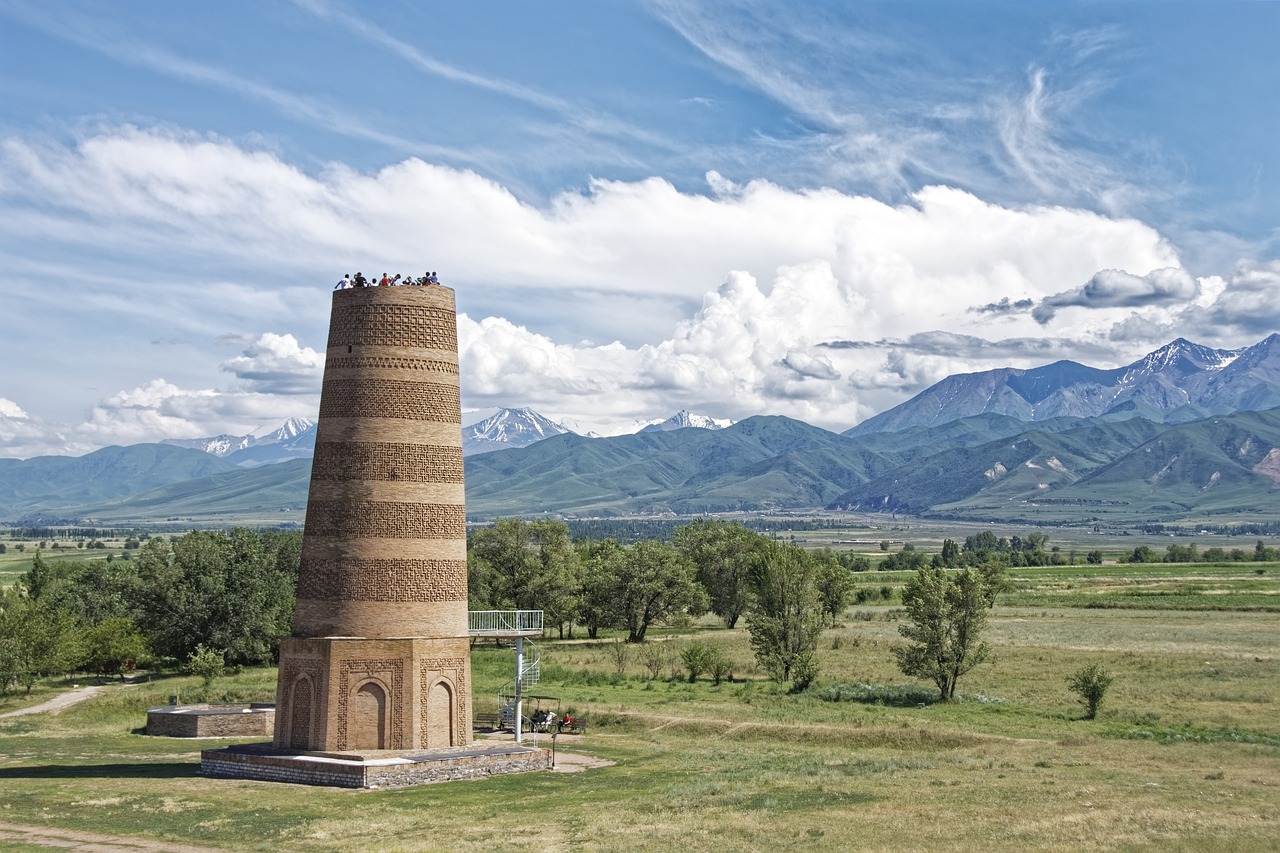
{"x": 372, "y": 769}
{"x": 247, "y": 719}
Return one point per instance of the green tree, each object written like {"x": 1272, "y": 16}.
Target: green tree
{"x": 113, "y": 646}
{"x": 599, "y": 565}
{"x": 946, "y": 616}
{"x": 655, "y": 581}
{"x": 786, "y": 618}
{"x": 834, "y": 584}
{"x": 35, "y": 640}
{"x": 1091, "y": 682}
{"x": 724, "y": 553}
{"x": 529, "y": 566}
{"x": 1144, "y": 554}
{"x": 231, "y": 591}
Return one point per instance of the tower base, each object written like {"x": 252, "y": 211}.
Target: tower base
{"x": 264, "y": 763}
{"x": 355, "y": 695}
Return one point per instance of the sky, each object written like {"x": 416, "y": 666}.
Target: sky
{"x": 736, "y": 208}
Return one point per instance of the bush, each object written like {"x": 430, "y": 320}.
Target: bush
{"x": 697, "y": 659}
{"x": 208, "y": 664}
{"x": 1091, "y": 682}
{"x": 654, "y": 657}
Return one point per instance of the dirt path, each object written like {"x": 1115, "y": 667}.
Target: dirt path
{"x": 57, "y": 703}
{"x": 70, "y": 839}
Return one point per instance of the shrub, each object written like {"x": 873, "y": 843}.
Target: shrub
{"x": 697, "y": 659}
{"x": 1091, "y": 683}
{"x": 654, "y": 657}
{"x": 208, "y": 664}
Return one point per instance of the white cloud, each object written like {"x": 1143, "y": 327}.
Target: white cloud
{"x": 756, "y": 299}
{"x": 12, "y": 411}
{"x": 276, "y": 364}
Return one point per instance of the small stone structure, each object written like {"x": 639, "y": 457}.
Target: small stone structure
{"x": 379, "y": 662}
{"x": 227, "y": 719}
{"x": 372, "y": 770}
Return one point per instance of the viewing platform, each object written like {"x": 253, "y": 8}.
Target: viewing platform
{"x": 504, "y": 623}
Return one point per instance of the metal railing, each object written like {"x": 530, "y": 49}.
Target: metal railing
{"x": 497, "y": 623}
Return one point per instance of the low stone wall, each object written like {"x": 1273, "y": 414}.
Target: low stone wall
{"x": 252, "y": 719}
{"x": 261, "y": 762}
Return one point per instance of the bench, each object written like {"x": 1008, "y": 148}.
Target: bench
{"x": 490, "y": 722}
{"x": 577, "y": 727}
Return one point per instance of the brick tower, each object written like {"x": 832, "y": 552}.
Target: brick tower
{"x": 379, "y": 658}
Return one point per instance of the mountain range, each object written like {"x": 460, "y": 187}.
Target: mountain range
{"x": 1178, "y": 383}
{"x": 1184, "y": 433}
{"x": 294, "y": 439}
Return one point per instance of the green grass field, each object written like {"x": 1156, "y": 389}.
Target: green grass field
{"x": 1185, "y": 754}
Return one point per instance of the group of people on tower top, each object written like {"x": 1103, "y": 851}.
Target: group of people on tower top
{"x": 358, "y": 280}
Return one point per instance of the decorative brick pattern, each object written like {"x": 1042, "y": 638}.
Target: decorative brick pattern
{"x": 454, "y": 672}
{"x": 361, "y": 460}
{"x": 384, "y": 580}
{"x": 386, "y": 398}
{"x": 386, "y": 520}
{"x": 390, "y": 673}
{"x": 292, "y": 671}
{"x": 379, "y": 362}
{"x": 394, "y": 326}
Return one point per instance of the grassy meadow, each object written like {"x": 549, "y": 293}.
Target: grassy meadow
{"x": 1185, "y": 753}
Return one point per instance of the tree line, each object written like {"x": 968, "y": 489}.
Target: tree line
{"x": 230, "y": 591}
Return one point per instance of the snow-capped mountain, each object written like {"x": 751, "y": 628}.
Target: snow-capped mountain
{"x": 293, "y": 439}
{"x": 218, "y": 445}
{"x": 508, "y": 428}
{"x": 1177, "y": 383}
{"x": 685, "y": 418}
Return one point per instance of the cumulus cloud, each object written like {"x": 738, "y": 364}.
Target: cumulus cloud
{"x": 12, "y": 411}
{"x": 624, "y": 302}
{"x": 277, "y": 364}
{"x": 160, "y": 409}
{"x": 1111, "y": 288}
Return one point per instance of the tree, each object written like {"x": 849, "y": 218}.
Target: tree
{"x": 598, "y": 569}
{"x": 835, "y": 586}
{"x": 786, "y": 619}
{"x": 35, "y": 640}
{"x": 946, "y": 616}
{"x": 1144, "y": 554}
{"x": 655, "y": 581}
{"x": 1091, "y": 682}
{"x": 528, "y": 566}
{"x": 231, "y": 591}
{"x": 724, "y": 553}
{"x": 113, "y": 646}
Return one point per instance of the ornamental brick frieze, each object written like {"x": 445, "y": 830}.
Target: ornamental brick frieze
{"x": 385, "y": 520}
{"x": 377, "y": 460}
{"x": 394, "y": 325}
{"x": 379, "y": 362}
{"x": 388, "y": 398}
{"x": 387, "y": 672}
{"x": 452, "y": 671}
{"x": 384, "y": 580}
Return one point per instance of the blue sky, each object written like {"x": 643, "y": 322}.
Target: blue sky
{"x": 814, "y": 209}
